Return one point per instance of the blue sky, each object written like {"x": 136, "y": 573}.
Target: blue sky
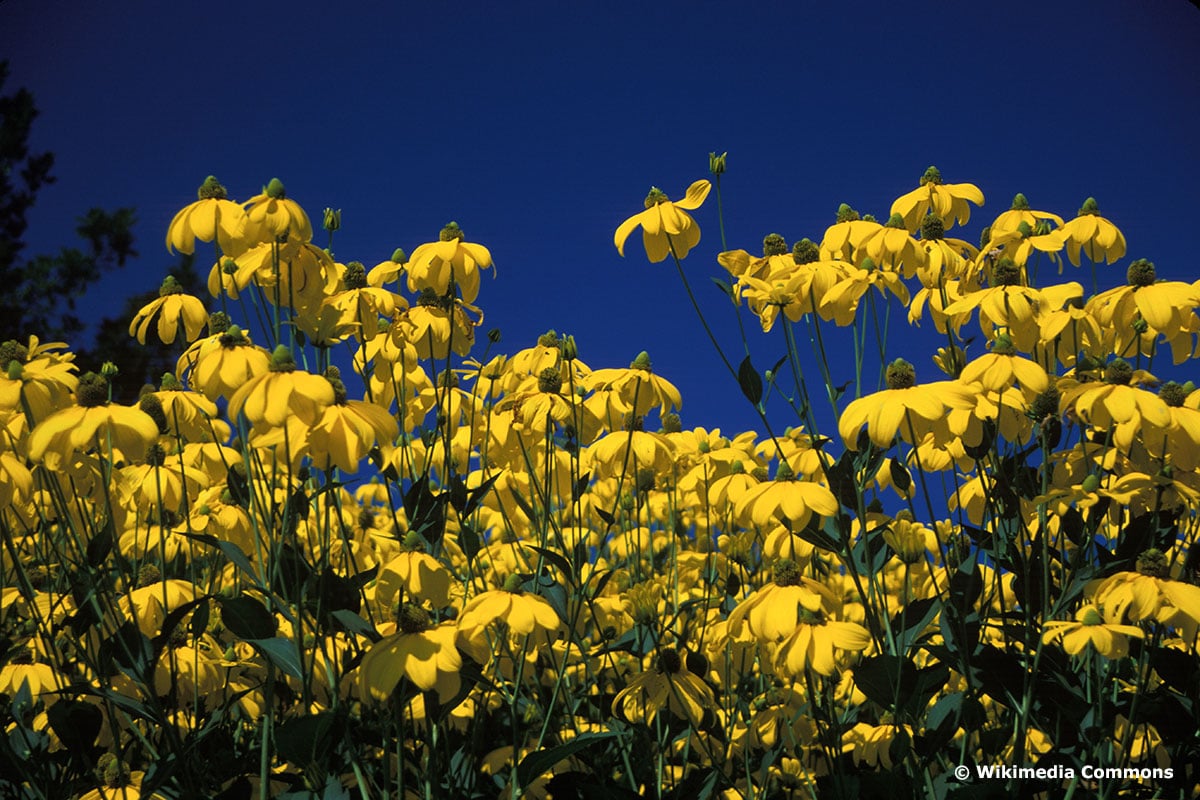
{"x": 540, "y": 126}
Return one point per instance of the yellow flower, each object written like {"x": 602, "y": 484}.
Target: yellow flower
{"x": 362, "y": 304}
{"x": 1094, "y": 235}
{"x": 522, "y": 613}
{"x": 813, "y": 641}
{"x": 420, "y": 651}
{"x": 220, "y": 364}
{"x": 434, "y": 264}
{"x": 1089, "y": 627}
{"x": 417, "y": 574}
{"x": 785, "y": 500}
{"x": 903, "y": 408}
{"x": 347, "y": 429}
{"x": 1112, "y": 402}
{"x": 273, "y": 216}
{"x": 37, "y": 375}
{"x": 92, "y": 422}
{"x": 950, "y": 201}
{"x": 844, "y": 237}
{"x": 1021, "y": 212}
{"x": 665, "y": 225}
{"x": 1163, "y": 307}
{"x": 997, "y": 370}
{"x": 892, "y": 247}
{"x": 172, "y": 307}
{"x": 636, "y": 390}
{"x": 841, "y": 301}
{"x": 670, "y": 685}
{"x": 212, "y": 216}
{"x": 772, "y": 613}
{"x": 272, "y": 398}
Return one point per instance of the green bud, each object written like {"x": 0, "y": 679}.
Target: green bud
{"x": 399, "y": 256}
{"x": 932, "y": 228}
{"x": 716, "y": 163}
{"x": 1019, "y": 203}
{"x": 1154, "y": 562}
{"x": 568, "y": 349}
{"x": 774, "y": 245}
{"x": 1003, "y": 345}
{"x": 550, "y": 381}
{"x": 451, "y": 232}
{"x": 1090, "y": 484}
{"x": 846, "y": 214}
{"x": 332, "y": 220}
{"x": 1118, "y": 372}
{"x": 356, "y": 275}
{"x": 282, "y": 359}
{"x": 1173, "y": 394}
{"x": 211, "y": 189}
{"x": 274, "y": 189}
{"x": 1006, "y": 273}
{"x": 1141, "y": 273}
{"x": 1089, "y": 207}
{"x": 805, "y": 252}
{"x": 900, "y": 375}
{"x": 932, "y": 175}
{"x": 655, "y": 197}
{"x": 642, "y": 362}
{"x": 109, "y": 370}
{"x": 895, "y": 221}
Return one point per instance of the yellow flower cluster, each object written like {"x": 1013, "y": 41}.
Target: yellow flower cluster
{"x": 541, "y": 562}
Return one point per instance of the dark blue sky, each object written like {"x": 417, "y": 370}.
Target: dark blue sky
{"x": 540, "y": 126}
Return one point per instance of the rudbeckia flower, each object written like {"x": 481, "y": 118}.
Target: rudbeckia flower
{"x": 665, "y": 225}
{"x": 434, "y": 264}
{"x": 212, "y": 216}
{"x": 785, "y": 500}
{"x": 171, "y": 308}
{"x": 670, "y": 685}
{"x": 1021, "y": 212}
{"x": 772, "y": 613}
{"x": 522, "y": 613}
{"x": 223, "y": 362}
{"x": 1094, "y": 235}
{"x": 903, "y": 408}
{"x": 812, "y": 644}
{"x": 271, "y": 216}
{"x": 997, "y": 370}
{"x": 950, "y": 201}
{"x": 420, "y": 651}
{"x": 91, "y": 422}
{"x": 1089, "y": 627}
{"x": 347, "y": 429}
{"x": 282, "y": 392}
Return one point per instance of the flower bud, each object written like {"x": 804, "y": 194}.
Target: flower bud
{"x": 716, "y": 163}
{"x": 332, "y": 220}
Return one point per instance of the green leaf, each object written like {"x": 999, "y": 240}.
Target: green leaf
{"x": 478, "y": 494}
{"x": 534, "y": 764}
{"x": 76, "y": 723}
{"x": 470, "y": 541}
{"x": 354, "y": 623}
{"x": 282, "y": 653}
{"x": 901, "y": 478}
{"x": 308, "y": 740}
{"x": 246, "y": 617}
{"x": 725, "y": 288}
{"x": 556, "y": 560}
{"x": 750, "y": 381}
